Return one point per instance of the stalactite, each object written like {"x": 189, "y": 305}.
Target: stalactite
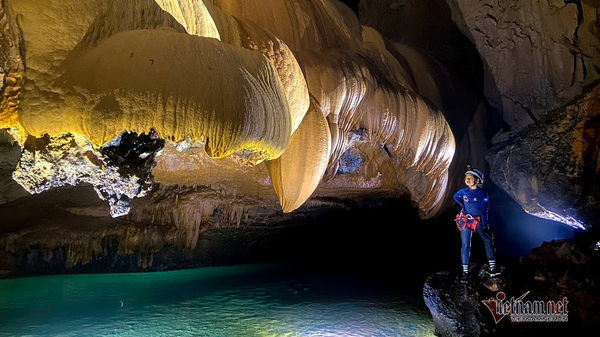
{"x": 297, "y": 173}
{"x": 232, "y": 76}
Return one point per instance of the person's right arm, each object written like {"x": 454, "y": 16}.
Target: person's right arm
{"x": 458, "y": 198}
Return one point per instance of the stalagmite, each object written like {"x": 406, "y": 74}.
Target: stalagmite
{"x": 297, "y": 173}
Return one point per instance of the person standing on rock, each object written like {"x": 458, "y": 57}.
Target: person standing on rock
{"x": 473, "y": 217}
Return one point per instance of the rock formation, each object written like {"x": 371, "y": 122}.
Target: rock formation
{"x": 210, "y": 112}
{"x": 225, "y": 74}
{"x": 555, "y": 271}
{"x": 231, "y": 106}
{"x": 552, "y": 48}
{"x": 558, "y": 157}
{"x": 532, "y": 61}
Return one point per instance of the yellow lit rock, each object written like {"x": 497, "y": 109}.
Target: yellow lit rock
{"x": 243, "y": 33}
{"x": 234, "y": 76}
{"x": 200, "y": 88}
{"x": 131, "y": 66}
{"x": 192, "y": 15}
{"x": 11, "y": 75}
{"x": 301, "y": 24}
{"x": 377, "y": 48}
{"x": 297, "y": 173}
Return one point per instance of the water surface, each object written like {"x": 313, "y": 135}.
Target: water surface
{"x": 247, "y": 300}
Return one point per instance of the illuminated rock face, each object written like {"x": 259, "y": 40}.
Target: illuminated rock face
{"x": 119, "y": 172}
{"x": 296, "y": 174}
{"x": 225, "y": 83}
{"x": 11, "y": 72}
{"x": 553, "y": 170}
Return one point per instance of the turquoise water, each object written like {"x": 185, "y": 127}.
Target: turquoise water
{"x": 247, "y": 300}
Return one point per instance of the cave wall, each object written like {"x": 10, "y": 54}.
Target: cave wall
{"x": 537, "y": 55}
{"x": 552, "y": 169}
{"x": 541, "y": 69}
{"x": 533, "y": 66}
{"x": 393, "y": 103}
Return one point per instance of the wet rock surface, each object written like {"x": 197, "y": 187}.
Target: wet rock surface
{"x": 454, "y": 311}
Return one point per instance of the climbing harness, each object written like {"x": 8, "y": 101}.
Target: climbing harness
{"x": 467, "y": 220}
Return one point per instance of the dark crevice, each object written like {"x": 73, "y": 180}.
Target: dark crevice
{"x": 529, "y": 112}
{"x": 583, "y": 67}
{"x": 493, "y": 18}
{"x": 574, "y": 74}
{"x": 387, "y": 151}
{"x": 352, "y": 4}
{"x": 134, "y": 154}
{"x": 579, "y": 14}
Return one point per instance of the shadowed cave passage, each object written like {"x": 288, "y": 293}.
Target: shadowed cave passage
{"x": 329, "y": 270}
{"x": 374, "y": 238}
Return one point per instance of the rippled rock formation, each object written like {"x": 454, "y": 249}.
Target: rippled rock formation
{"x": 234, "y": 76}
{"x": 267, "y": 107}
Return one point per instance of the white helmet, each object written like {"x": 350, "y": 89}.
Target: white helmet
{"x": 477, "y": 173}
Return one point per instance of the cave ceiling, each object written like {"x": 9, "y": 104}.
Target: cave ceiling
{"x": 258, "y": 103}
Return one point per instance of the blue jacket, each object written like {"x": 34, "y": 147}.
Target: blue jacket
{"x": 473, "y": 202}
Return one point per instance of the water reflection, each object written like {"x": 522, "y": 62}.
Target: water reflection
{"x": 249, "y": 300}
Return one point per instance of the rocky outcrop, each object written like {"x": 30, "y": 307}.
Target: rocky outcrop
{"x": 119, "y": 172}
{"x": 537, "y": 55}
{"x": 454, "y": 311}
{"x": 9, "y": 156}
{"x": 552, "y": 169}
{"x": 555, "y": 271}
{"x": 566, "y": 268}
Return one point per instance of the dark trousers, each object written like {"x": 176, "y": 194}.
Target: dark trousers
{"x": 466, "y": 234}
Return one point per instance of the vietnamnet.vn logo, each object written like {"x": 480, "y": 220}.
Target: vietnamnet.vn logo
{"x": 527, "y": 311}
